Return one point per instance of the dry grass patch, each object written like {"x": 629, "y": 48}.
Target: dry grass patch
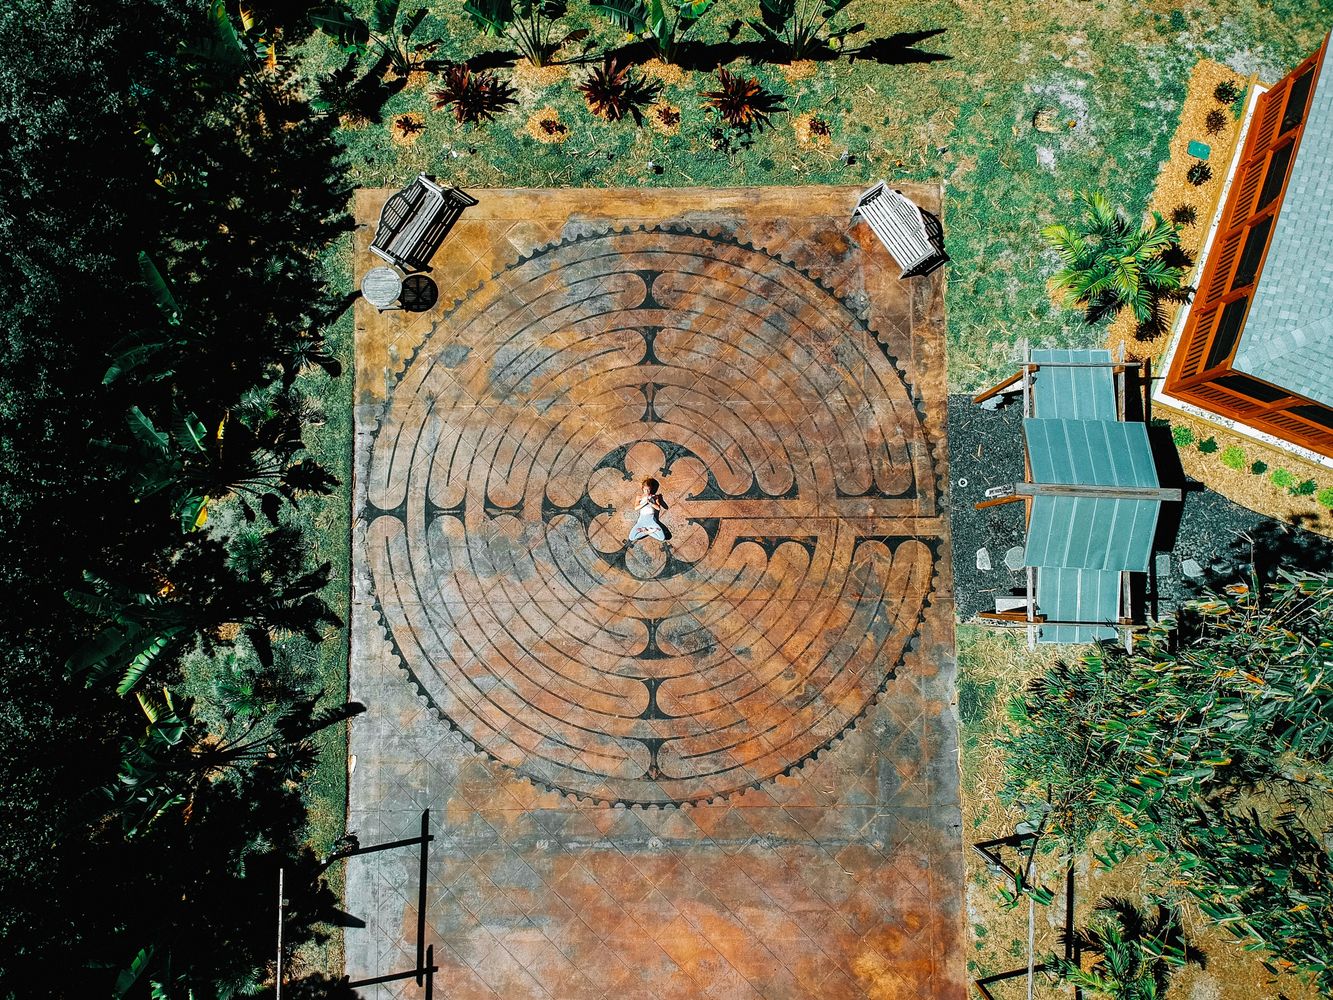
{"x": 1174, "y": 189}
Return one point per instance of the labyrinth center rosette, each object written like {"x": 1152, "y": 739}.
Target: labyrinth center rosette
{"x": 803, "y": 517}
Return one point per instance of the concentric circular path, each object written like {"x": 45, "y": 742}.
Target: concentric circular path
{"x": 803, "y": 517}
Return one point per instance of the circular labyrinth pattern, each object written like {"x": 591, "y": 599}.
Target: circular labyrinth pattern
{"x": 803, "y": 517}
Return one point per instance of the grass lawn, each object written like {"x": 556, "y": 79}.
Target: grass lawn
{"x": 1112, "y": 77}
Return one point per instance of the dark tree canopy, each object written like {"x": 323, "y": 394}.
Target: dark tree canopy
{"x": 164, "y": 199}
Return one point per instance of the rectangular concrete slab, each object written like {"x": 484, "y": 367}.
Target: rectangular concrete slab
{"x": 721, "y": 763}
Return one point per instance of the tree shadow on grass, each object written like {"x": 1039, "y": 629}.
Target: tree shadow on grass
{"x": 1271, "y": 548}
{"x": 704, "y": 57}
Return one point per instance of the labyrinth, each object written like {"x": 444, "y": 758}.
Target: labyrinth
{"x": 803, "y": 516}
{"x": 719, "y": 766}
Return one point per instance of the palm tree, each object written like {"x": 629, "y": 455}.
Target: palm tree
{"x": 1134, "y": 952}
{"x": 1108, "y": 264}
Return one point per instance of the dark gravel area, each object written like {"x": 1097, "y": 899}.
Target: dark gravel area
{"x": 1207, "y": 534}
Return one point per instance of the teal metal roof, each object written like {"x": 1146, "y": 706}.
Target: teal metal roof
{"x": 1089, "y": 452}
{"x": 1088, "y": 533}
{"x": 1288, "y": 334}
{"x": 1098, "y": 533}
{"x": 1078, "y": 393}
{"x": 1078, "y": 595}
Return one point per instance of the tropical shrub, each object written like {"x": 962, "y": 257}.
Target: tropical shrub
{"x": 743, "y": 103}
{"x": 1133, "y": 953}
{"x": 1109, "y": 265}
{"x": 1215, "y": 121}
{"x": 1259, "y": 468}
{"x": 799, "y": 28}
{"x": 1208, "y": 445}
{"x": 385, "y": 36}
{"x": 1305, "y": 488}
{"x": 1182, "y": 435}
{"x": 474, "y": 96}
{"x": 532, "y": 25}
{"x": 1325, "y": 497}
{"x": 1233, "y": 457}
{"x": 666, "y": 23}
{"x": 1207, "y": 752}
{"x": 1226, "y": 92}
{"x": 1199, "y": 173}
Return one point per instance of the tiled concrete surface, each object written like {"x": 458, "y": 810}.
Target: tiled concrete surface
{"x": 719, "y": 767}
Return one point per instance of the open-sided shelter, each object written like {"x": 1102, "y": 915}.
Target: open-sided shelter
{"x": 1092, "y": 495}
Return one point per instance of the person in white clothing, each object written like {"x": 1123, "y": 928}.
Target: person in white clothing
{"x": 650, "y": 502}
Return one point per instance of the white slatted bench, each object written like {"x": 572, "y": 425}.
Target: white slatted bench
{"x": 913, "y": 238}
{"x": 415, "y": 221}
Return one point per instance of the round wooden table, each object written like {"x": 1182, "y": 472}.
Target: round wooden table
{"x": 381, "y": 286}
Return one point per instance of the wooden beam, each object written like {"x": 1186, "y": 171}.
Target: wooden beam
{"x": 1090, "y": 490}
{"x": 997, "y": 501}
{"x": 996, "y": 390}
{"x": 1015, "y": 618}
{"x": 1085, "y": 364}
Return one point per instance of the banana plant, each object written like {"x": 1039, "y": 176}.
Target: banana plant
{"x": 141, "y": 628}
{"x": 385, "y": 35}
{"x": 164, "y": 768}
{"x": 195, "y": 466}
{"x": 530, "y": 24}
{"x": 798, "y": 28}
{"x": 666, "y": 24}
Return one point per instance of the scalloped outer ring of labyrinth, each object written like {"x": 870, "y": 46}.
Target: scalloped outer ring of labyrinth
{"x": 804, "y": 517}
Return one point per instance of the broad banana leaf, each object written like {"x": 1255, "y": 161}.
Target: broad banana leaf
{"x": 351, "y": 32}
{"x": 189, "y": 432}
{"x": 125, "y": 361}
{"x": 146, "y": 657}
{"x": 141, "y": 426}
{"x": 222, "y": 44}
{"x": 160, "y": 290}
{"x": 126, "y": 978}
{"x": 101, "y": 648}
{"x": 383, "y": 16}
{"x": 193, "y": 513}
{"x": 492, "y": 16}
{"x": 628, "y": 15}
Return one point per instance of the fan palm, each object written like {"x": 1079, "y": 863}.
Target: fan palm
{"x": 1134, "y": 952}
{"x": 1108, "y": 264}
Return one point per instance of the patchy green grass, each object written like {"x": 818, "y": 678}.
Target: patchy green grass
{"x": 1116, "y": 72}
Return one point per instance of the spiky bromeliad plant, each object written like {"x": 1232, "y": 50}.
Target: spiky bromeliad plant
{"x": 667, "y": 23}
{"x": 742, "y": 102}
{"x": 473, "y": 96}
{"x": 532, "y": 25}
{"x": 798, "y": 27}
{"x": 1109, "y": 264}
{"x": 614, "y": 91}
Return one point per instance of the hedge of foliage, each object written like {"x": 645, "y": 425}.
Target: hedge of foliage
{"x": 1207, "y": 751}
{"x": 164, "y": 196}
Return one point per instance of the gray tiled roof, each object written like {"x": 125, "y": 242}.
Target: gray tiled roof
{"x": 1288, "y": 335}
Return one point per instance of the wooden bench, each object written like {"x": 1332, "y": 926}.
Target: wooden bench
{"x": 914, "y": 238}
{"x": 415, "y": 221}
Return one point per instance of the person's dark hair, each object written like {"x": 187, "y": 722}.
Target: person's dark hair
{"x": 651, "y": 483}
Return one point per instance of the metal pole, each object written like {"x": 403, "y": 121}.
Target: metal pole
{"x": 277, "y": 979}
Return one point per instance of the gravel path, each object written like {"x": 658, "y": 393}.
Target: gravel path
{"x": 1209, "y": 538}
